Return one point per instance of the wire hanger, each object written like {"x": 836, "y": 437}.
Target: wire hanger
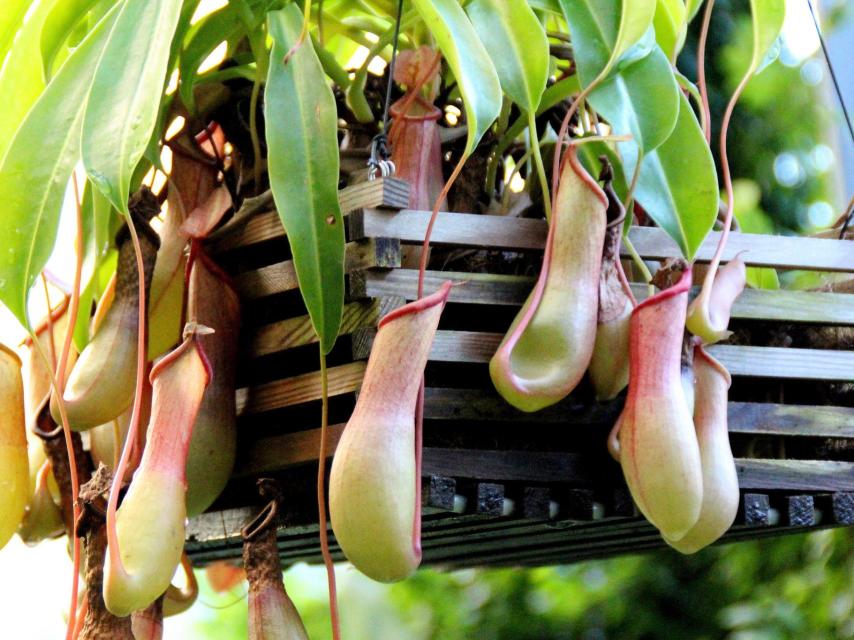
{"x": 380, "y": 162}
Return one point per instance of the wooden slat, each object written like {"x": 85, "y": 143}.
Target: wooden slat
{"x": 285, "y": 451}
{"x": 791, "y": 420}
{"x": 345, "y": 378}
{"x": 758, "y": 418}
{"x": 381, "y": 193}
{"x": 795, "y": 475}
{"x": 282, "y": 276}
{"x": 288, "y": 450}
{"x": 388, "y": 193}
{"x": 783, "y": 363}
{"x": 764, "y": 362}
{"x": 496, "y": 232}
{"x": 498, "y": 289}
{"x": 296, "y": 332}
{"x": 271, "y": 454}
{"x": 452, "y": 540}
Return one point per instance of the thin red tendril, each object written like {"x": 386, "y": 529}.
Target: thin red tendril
{"x": 701, "y": 69}
{"x": 321, "y": 499}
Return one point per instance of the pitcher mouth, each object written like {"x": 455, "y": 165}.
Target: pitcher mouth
{"x": 432, "y": 112}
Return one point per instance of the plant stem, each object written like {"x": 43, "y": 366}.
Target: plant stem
{"x": 538, "y": 161}
{"x": 425, "y": 248}
{"x": 253, "y": 129}
{"x": 505, "y": 195}
{"x": 641, "y": 265}
{"x": 730, "y": 197}
{"x": 701, "y": 70}
{"x": 57, "y": 382}
{"x": 321, "y": 497}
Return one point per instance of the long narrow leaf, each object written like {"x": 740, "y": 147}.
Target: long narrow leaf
{"x": 35, "y": 171}
{"x": 63, "y": 18}
{"x": 517, "y": 44}
{"x": 21, "y": 77}
{"x": 302, "y": 141}
{"x": 11, "y": 19}
{"x": 123, "y": 104}
{"x": 472, "y": 68}
{"x": 220, "y": 26}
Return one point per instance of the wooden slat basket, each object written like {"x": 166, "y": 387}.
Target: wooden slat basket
{"x": 502, "y": 487}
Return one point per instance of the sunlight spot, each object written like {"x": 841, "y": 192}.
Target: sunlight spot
{"x": 214, "y": 59}
{"x": 166, "y": 158}
{"x": 205, "y": 8}
{"x": 800, "y": 39}
{"x": 173, "y": 83}
{"x": 175, "y": 127}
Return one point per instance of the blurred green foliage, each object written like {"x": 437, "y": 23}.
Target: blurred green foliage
{"x": 798, "y": 587}
{"x": 781, "y": 134}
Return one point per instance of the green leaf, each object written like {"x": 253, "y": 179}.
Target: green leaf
{"x": 691, "y": 8}
{"x": 302, "y": 141}
{"x": 671, "y": 25}
{"x": 97, "y": 220}
{"x": 603, "y": 30}
{"x": 11, "y": 19}
{"x": 517, "y": 44}
{"x": 126, "y": 90}
{"x": 59, "y": 25}
{"x": 768, "y": 17}
{"x": 546, "y": 5}
{"x": 476, "y": 77}
{"x": 34, "y": 173}
{"x": 641, "y": 100}
{"x": 678, "y": 185}
{"x": 204, "y": 37}
{"x": 21, "y": 76}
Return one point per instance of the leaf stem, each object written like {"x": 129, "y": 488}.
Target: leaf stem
{"x": 425, "y": 247}
{"x": 57, "y": 382}
{"x": 321, "y": 497}
{"x": 730, "y": 197}
{"x": 701, "y": 70}
{"x": 253, "y": 129}
{"x": 538, "y": 161}
{"x": 641, "y": 265}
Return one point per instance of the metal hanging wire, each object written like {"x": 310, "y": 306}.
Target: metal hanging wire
{"x": 831, "y": 69}
{"x": 839, "y": 96}
{"x": 380, "y": 161}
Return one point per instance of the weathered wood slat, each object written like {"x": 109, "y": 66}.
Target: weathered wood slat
{"x": 759, "y": 418}
{"x": 282, "y": 452}
{"x": 506, "y": 541}
{"x": 498, "y": 289}
{"x": 795, "y": 475}
{"x": 497, "y": 232}
{"x": 288, "y": 450}
{"x": 282, "y": 276}
{"x": 765, "y": 362}
{"x": 298, "y": 389}
{"x": 783, "y": 363}
{"x": 279, "y": 452}
{"x": 296, "y": 332}
{"x": 381, "y": 193}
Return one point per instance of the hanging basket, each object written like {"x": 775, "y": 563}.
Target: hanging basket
{"x": 503, "y": 487}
